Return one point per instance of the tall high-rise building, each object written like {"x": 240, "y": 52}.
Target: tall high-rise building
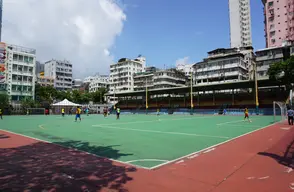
{"x": 1, "y": 7}
{"x": 240, "y": 23}
{"x": 279, "y": 22}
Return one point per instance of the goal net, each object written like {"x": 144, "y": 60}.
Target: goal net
{"x": 35, "y": 111}
{"x": 280, "y": 111}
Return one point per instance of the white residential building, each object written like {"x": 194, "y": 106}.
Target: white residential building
{"x": 159, "y": 79}
{"x": 61, "y": 71}
{"x": 45, "y": 81}
{"x": 268, "y": 56}
{"x": 240, "y": 23}
{"x": 19, "y": 65}
{"x": 99, "y": 81}
{"x": 122, "y": 72}
{"x": 223, "y": 65}
{"x": 187, "y": 69}
{"x": 77, "y": 84}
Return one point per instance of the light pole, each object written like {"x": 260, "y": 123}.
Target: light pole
{"x": 191, "y": 91}
{"x": 146, "y": 96}
{"x": 256, "y": 87}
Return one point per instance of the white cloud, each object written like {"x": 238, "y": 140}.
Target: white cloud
{"x": 81, "y": 31}
{"x": 183, "y": 61}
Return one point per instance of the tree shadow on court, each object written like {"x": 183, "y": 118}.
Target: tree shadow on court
{"x": 283, "y": 151}
{"x": 48, "y": 167}
{"x": 103, "y": 151}
{"x": 3, "y": 136}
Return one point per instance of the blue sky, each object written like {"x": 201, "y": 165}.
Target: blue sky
{"x": 166, "y": 30}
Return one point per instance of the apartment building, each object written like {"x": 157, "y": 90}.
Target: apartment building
{"x": 40, "y": 68}
{"x": 159, "y": 79}
{"x": 45, "y": 81}
{"x": 17, "y": 71}
{"x": 268, "y": 56}
{"x": 122, "y": 72}
{"x": 279, "y": 22}
{"x": 223, "y": 65}
{"x": 99, "y": 81}
{"x": 240, "y": 23}
{"x": 61, "y": 71}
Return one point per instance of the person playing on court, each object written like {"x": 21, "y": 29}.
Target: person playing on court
{"x": 87, "y": 111}
{"x": 46, "y": 112}
{"x": 28, "y": 112}
{"x": 224, "y": 112}
{"x": 117, "y": 112}
{"x": 78, "y": 114}
{"x": 246, "y": 112}
{"x": 1, "y": 114}
{"x": 290, "y": 114}
{"x": 62, "y": 112}
{"x": 105, "y": 111}
{"x": 157, "y": 112}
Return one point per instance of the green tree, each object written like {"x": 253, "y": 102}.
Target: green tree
{"x": 95, "y": 96}
{"x": 45, "y": 93}
{"x": 76, "y": 96}
{"x": 4, "y": 101}
{"x": 28, "y": 102}
{"x": 283, "y": 72}
{"x": 86, "y": 98}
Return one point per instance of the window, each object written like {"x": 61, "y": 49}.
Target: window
{"x": 20, "y": 58}
{"x": 31, "y": 60}
{"x": 15, "y": 57}
{"x": 26, "y": 59}
{"x": 270, "y": 3}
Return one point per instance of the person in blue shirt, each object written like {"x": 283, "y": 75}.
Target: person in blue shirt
{"x": 290, "y": 114}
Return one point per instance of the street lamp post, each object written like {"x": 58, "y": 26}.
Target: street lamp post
{"x": 191, "y": 92}
{"x": 256, "y": 87}
{"x": 146, "y": 96}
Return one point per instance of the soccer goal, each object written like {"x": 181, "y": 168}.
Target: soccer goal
{"x": 280, "y": 111}
{"x": 36, "y": 111}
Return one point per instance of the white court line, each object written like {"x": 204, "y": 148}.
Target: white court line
{"x": 121, "y": 162}
{"x": 41, "y": 126}
{"x": 243, "y": 125}
{"x": 163, "y": 132}
{"x": 146, "y": 160}
{"x": 231, "y": 122}
{"x": 151, "y": 121}
{"x": 213, "y": 146}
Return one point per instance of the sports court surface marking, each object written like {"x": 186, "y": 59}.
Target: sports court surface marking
{"x": 145, "y": 141}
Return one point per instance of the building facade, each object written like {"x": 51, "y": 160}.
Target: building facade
{"x": 240, "y": 23}
{"x": 61, "y": 71}
{"x": 45, "y": 81}
{"x": 223, "y": 65}
{"x": 279, "y": 22}
{"x": 268, "y": 56}
{"x": 159, "y": 79}
{"x": 1, "y": 12}
{"x": 122, "y": 72}
{"x": 99, "y": 81}
{"x": 18, "y": 67}
{"x": 40, "y": 68}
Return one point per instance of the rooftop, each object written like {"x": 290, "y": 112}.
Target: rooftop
{"x": 21, "y": 49}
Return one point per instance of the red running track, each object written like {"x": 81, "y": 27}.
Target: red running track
{"x": 261, "y": 161}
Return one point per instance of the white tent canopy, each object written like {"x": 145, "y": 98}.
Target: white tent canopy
{"x": 65, "y": 102}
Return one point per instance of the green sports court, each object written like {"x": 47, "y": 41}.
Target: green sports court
{"x": 147, "y": 141}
